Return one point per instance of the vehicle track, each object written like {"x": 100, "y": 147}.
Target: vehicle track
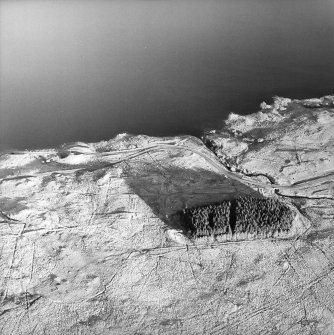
{"x": 208, "y": 156}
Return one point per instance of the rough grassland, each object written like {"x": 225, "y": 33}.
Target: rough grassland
{"x": 91, "y": 243}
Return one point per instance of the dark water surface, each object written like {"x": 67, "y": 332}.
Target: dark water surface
{"x": 87, "y": 70}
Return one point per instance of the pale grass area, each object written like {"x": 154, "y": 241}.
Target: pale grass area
{"x": 91, "y": 243}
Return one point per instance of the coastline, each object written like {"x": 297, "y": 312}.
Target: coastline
{"x": 91, "y": 241}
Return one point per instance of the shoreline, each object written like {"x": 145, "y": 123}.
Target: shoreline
{"x": 91, "y": 238}
{"x": 278, "y": 103}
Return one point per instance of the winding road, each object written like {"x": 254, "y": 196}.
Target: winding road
{"x": 206, "y": 154}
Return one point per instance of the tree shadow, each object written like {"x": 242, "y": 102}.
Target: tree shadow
{"x": 168, "y": 189}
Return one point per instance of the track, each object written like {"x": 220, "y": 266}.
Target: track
{"x": 207, "y": 155}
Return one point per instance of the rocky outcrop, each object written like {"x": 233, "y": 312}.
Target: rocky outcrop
{"x": 289, "y": 143}
{"x": 91, "y": 239}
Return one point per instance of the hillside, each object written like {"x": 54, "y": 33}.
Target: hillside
{"x": 92, "y": 240}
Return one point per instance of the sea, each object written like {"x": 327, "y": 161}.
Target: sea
{"x": 90, "y": 69}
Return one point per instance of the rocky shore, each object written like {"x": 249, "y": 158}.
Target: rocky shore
{"x": 91, "y": 239}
